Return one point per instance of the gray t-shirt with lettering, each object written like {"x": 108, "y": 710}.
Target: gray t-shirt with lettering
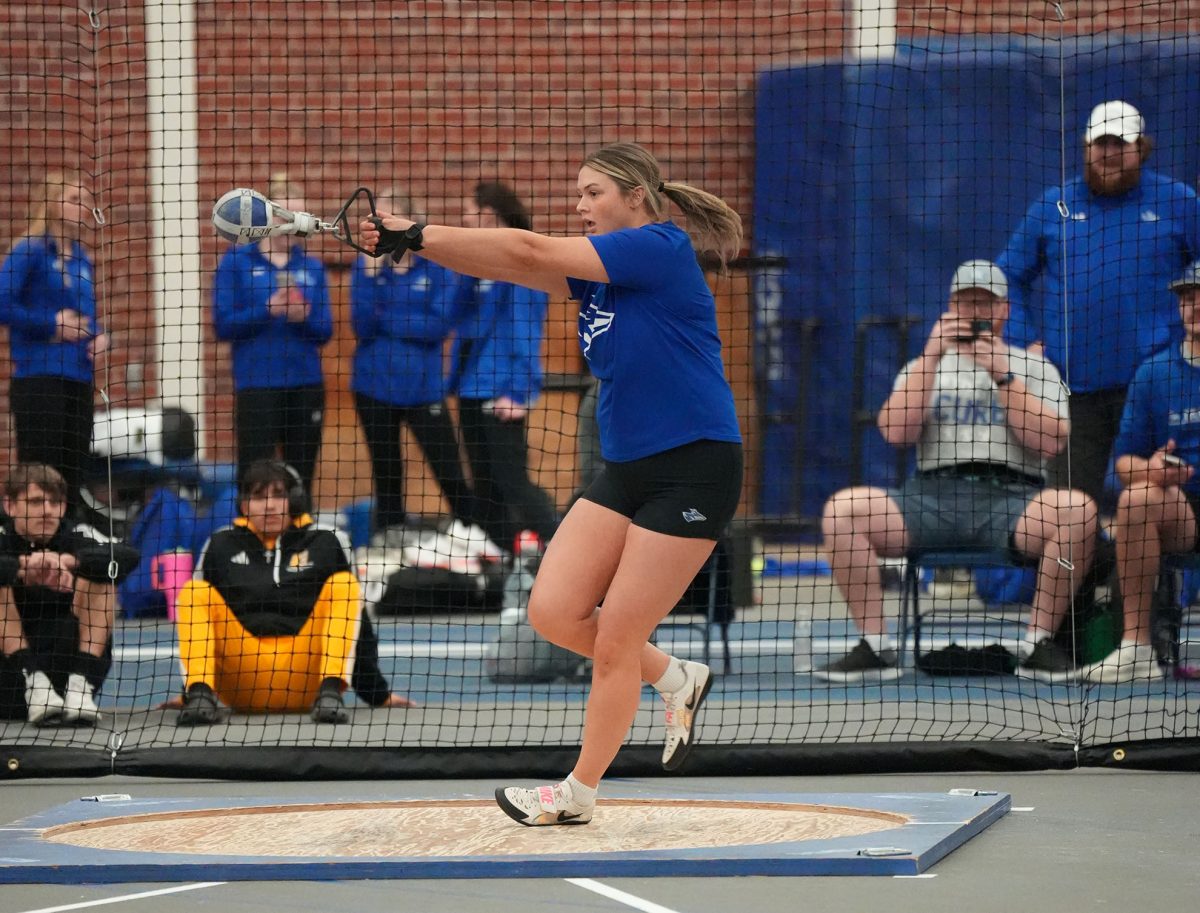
{"x": 967, "y": 423}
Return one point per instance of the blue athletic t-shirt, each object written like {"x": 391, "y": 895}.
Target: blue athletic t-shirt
{"x": 650, "y": 336}
{"x": 1163, "y": 404}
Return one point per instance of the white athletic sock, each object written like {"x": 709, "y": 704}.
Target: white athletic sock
{"x": 879, "y": 642}
{"x": 673, "y": 679}
{"x": 578, "y": 794}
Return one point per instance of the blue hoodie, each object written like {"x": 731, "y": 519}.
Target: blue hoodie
{"x": 503, "y": 329}
{"x": 1121, "y": 253}
{"x": 271, "y": 352}
{"x": 35, "y": 284}
{"x": 401, "y": 320}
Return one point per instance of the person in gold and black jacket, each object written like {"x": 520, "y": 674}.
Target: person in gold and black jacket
{"x": 271, "y": 620}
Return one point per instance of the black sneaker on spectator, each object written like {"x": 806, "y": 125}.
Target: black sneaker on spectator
{"x": 1048, "y": 663}
{"x": 329, "y": 707}
{"x": 862, "y": 664}
{"x": 200, "y": 707}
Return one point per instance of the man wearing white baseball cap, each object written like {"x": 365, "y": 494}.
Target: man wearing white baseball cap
{"x": 1107, "y": 244}
{"x": 984, "y": 417}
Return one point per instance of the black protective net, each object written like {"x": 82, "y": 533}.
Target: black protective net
{"x": 961, "y": 540}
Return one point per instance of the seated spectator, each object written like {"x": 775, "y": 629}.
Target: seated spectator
{"x": 984, "y": 418}
{"x": 56, "y": 602}
{"x": 272, "y": 619}
{"x": 1158, "y": 450}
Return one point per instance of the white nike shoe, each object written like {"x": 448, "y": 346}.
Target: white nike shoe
{"x": 682, "y": 707}
{"x": 542, "y": 806}
{"x": 472, "y": 542}
{"x": 45, "y": 707}
{"x": 1131, "y": 661}
{"x": 79, "y": 704}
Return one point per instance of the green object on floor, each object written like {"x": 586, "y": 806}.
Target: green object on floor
{"x": 1102, "y": 628}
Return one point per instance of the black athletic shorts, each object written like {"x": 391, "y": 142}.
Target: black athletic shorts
{"x": 690, "y": 491}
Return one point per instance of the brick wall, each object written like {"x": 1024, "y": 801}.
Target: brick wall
{"x": 422, "y": 95}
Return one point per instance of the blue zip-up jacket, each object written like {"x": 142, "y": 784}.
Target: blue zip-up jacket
{"x": 401, "y": 320}
{"x": 35, "y": 284}
{"x": 503, "y": 328}
{"x": 1121, "y": 253}
{"x": 271, "y": 352}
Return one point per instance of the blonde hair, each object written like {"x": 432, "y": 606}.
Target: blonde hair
{"x": 712, "y": 224}
{"x": 282, "y": 187}
{"x": 45, "y": 197}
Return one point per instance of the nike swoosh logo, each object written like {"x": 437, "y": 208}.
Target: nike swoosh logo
{"x": 564, "y": 817}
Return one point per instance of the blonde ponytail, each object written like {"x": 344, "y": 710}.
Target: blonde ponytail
{"x": 712, "y": 223}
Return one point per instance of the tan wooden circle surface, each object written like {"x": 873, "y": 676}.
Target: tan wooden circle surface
{"x": 472, "y": 827}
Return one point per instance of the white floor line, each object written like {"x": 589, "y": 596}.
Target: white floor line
{"x": 629, "y": 900}
{"x": 125, "y": 897}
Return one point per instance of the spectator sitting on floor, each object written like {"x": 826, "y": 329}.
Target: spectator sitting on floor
{"x": 984, "y": 417}
{"x": 56, "y": 602}
{"x": 271, "y": 621}
{"x": 1158, "y": 451}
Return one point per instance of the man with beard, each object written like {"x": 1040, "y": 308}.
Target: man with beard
{"x": 1108, "y": 244}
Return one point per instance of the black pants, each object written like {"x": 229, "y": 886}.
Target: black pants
{"x": 508, "y": 499}
{"x": 287, "y": 418}
{"x": 53, "y": 421}
{"x": 53, "y": 640}
{"x": 1095, "y": 421}
{"x": 435, "y": 434}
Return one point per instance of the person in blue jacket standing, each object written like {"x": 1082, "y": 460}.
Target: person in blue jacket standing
{"x": 672, "y": 475}
{"x": 497, "y": 364}
{"x": 401, "y": 314}
{"x": 271, "y": 304}
{"x": 1107, "y": 256}
{"x": 48, "y": 301}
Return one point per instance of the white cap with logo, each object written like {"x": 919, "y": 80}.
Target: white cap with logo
{"x": 982, "y": 274}
{"x": 1114, "y": 118}
{"x": 1190, "y": 277}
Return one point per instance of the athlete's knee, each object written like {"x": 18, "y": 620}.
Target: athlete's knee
{"x": 613, "y": 651}
{"x": 545, "y": 617}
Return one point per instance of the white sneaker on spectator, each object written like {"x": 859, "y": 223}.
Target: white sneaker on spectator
{"x": 543, "y": 805}
{"x": 1132, "y": 661}
{"x": 471, "y": 541}
{"x": 79, "y": 704}
{"x": 45, "y": 706}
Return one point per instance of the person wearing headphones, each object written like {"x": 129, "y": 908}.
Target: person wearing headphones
{"x": 271, "y": 620}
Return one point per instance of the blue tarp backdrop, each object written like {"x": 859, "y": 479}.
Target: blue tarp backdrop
{"x": 875, "y": 180}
